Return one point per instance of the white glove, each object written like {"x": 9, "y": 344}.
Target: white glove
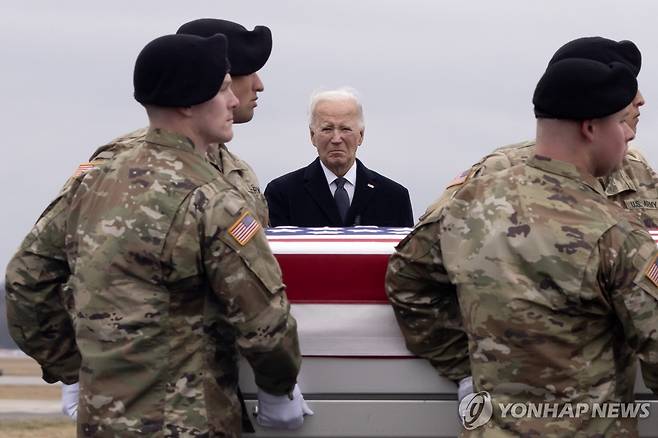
{"x": 465, "y": 388}
{"x": 70, "y": 400}
{"x": 280, "y": 412}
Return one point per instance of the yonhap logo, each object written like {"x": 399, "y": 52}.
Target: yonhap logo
{"x": 475, "y": 410}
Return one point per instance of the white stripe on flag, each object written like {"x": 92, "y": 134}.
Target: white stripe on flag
{"x": 332, "y": 247}
{"x": 242, "y": 231}
{"x": 653, "y": 273}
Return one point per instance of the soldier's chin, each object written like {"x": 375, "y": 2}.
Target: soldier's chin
{"x": 243, "y": 115}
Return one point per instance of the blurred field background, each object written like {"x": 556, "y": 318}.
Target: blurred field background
{"x": 37, "y": 428}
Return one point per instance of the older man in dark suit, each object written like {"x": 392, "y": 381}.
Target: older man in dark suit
{"x": 337, "y": 189}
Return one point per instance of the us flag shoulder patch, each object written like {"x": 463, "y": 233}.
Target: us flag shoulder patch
{"x": 459, "y": 179}
{"x": 84, "y": 168}
{"x": 244, "y": 228}
{"x": 652, "y": 271}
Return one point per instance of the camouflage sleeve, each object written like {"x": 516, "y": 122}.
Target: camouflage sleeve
{"x": 36, "y": 302}
{"x": 246, "y": 277}
{"x": 491, "y": 163}
{"x": 635, "y": 154}
{"x": 425, "y": 303}
{"x": 111, "y": 148}
{"x": 437, "y": 206}
{"x": 646, "y": 176}
{"x": 628, "y": 272}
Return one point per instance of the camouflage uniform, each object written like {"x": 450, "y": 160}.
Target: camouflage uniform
{"x": 550, "y": 283}
{"x": 157, "y": 326}
{"x": 235, "y": 170}
{"x": 243, "y": 179}
{"x": 38, "y": 272}
{"x": 634, "y": 186}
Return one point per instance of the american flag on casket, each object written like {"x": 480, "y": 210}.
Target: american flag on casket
{"x": 335, "y": 281}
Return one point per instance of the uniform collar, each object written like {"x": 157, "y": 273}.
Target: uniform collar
{"x": 226, "y": 162}
{"x": 169, "y": 139}
{"x": 566, "y": 170}
{"x": 230, "y": 162}
{"x": 618, "y": 182}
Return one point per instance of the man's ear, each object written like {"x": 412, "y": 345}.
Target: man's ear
{"x": 185, "y": 111}
{"x": 587, "y": 128}
{"x": 310, "y": 130}
{"x": 362, "y": 131}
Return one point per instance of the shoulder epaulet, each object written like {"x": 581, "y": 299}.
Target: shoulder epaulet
{"x": 635, "y": 155}
{"x": 109, "y": 150}
{"x": 461, "y": 178}
{"x": 105, "y": 155}
{"x": 523, "y": 144}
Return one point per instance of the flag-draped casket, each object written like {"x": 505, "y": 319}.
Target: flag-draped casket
{"x": 335, "y": 281}
{"x": 356, "y": 373}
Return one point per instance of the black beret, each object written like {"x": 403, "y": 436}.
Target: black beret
{"x": 580, "y": 89}
{"x": 603, "y": 50}
{"x": 248, "y": 51}
{"x": 180, "y": 70}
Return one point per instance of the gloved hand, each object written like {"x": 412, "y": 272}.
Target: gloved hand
{"x": 280, "y": 412}
{"x": 70, "y": 394}
{"x": 465, "y": 387}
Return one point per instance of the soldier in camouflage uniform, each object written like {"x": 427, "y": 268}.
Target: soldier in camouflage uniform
{"x": 37, "y": 273}
{"x": 633, "y": 185}
{"x": 530, "y": 279}
{"x": 171, "y": 270}
{"x": 248, "y": 53}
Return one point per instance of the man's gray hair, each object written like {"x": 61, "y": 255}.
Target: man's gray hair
{"x": 337, "y": 95}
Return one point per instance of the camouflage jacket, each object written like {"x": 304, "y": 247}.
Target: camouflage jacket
{"x": 634, "y": 186}
{"x": 551, "y": 283}
{"x": 171, "y": 271}
{"x": 37, "y": 274}
{"x": 234, "y": 170}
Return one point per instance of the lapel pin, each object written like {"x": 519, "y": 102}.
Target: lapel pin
{"x": 371, "y": 186}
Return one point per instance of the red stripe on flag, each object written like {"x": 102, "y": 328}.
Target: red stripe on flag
{"x": 241, "y": 231}
{"x": 334, "y": 278}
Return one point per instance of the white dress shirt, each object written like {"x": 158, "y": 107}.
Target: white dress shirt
{"x": 350, "y": 176}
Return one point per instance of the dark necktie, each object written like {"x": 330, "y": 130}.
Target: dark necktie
{"x": 342, "y": 200}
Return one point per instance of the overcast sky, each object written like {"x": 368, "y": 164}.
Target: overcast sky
{"x": 442, "y": 82}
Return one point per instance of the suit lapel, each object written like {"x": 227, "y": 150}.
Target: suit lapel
{"x": 366, "y": 184}
{"x": 316, "y": 185}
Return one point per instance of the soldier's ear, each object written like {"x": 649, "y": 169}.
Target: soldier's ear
{"x": 185, "y": 111}
{"x": 587, "y": 129}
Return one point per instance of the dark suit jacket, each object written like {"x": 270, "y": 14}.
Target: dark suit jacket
{"x": 302, "y": 198}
